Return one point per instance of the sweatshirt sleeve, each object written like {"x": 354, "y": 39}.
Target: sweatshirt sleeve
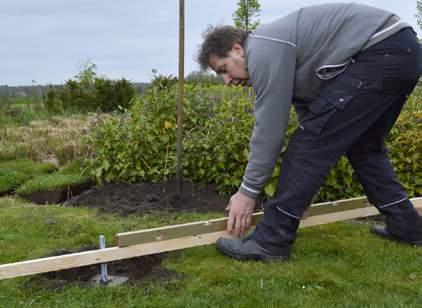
{"x": 271, "y": 64}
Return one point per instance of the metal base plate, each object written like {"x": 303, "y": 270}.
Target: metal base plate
{"x": 112, "y": 280}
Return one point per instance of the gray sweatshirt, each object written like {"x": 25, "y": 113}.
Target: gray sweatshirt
{"x": 290, "y": 58}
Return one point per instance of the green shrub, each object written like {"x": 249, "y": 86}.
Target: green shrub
{"x": 52, "y": 103}
{"x": 217, "y": 151}
{"x": 111, "y": 95}
{"x": 140, "y": 144}
{"x": 405, "y": 143}
{"x": 100, "y": 94}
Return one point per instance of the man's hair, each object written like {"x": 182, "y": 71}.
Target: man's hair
{"x": 219, "y": 41}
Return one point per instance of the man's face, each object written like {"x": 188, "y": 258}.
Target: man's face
{"x": 231, "y": 68}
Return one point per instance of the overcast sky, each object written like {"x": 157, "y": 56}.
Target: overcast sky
{"x": 44, "y": 41}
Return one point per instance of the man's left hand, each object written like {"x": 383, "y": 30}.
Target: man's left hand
{"x": 240, "y": 214}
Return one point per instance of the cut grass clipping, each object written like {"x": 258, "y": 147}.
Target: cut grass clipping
{"x": 16, "y": 172}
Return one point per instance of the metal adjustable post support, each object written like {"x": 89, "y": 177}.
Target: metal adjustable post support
{"x": 104, "y": 275}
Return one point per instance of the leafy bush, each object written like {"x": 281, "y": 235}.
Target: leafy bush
{"x": 405, "y": 144}
{"x": 52, "y": 103}
{"x": 140, "y": 144}
{"x": 111, "y": 95}
{"x": 217, "y": 151}
{"x": 161, "y": 81}
{"x": 100, "y": 95}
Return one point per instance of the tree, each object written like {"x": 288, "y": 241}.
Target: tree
{"x": 204, "y": 78}
{"x": 161, "y": 81}
{"x": 87, "y": 72}
{"x": 419, "y": 14}
{"x": 52, "y": 103}
{"x": 243, "y": 17}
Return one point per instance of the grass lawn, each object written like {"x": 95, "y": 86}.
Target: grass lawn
{"x": 16, "y": 172}
{"x": 333, "y": 265}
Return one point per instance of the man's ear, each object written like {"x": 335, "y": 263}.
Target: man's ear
{"x": 238, "y": 49}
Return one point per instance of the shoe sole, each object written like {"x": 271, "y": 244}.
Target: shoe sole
{"x": 255, "y": 257}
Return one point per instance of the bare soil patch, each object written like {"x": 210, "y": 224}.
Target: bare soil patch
{"x": 139, "y": 269}
{"x": 142, "y": 198}
{"x": 124, "y": 199}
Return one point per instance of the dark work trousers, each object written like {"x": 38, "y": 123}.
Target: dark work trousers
{"x": 352, "y": 116}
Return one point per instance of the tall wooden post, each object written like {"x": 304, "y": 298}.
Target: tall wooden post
{"x": 179, "y": 172}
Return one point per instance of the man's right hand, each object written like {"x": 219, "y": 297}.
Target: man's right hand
{"x": 240, "y": 214}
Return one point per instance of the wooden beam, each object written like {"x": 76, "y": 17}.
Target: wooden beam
{"x": 165, "y": 233}
{"x": 337, "y": 206}
{"x": 49, "y": 264}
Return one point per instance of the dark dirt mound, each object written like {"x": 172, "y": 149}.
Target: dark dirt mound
{"x": 137, "y": 269}
{"x": 144, "y": 198}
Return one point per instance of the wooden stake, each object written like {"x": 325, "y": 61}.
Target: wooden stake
{"x": 179, "y": 154}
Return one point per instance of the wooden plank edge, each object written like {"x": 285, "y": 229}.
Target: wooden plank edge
{"x": 124, "y": 239}
{"x": 49, "y": 264}
{"x": 214, "y": 225}
{"x": 79, "y": 259}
